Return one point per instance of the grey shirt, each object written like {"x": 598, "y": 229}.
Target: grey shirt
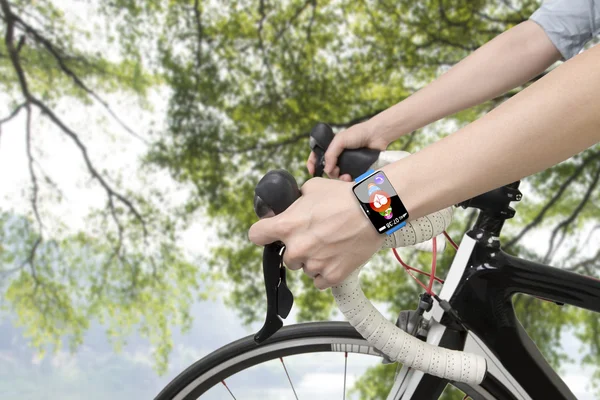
{"x": 569, "y": 24}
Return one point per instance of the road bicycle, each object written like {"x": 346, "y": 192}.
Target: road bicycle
{"x": 468, "y": 336}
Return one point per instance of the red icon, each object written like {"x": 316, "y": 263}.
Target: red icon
{"x": 379, "y": 201}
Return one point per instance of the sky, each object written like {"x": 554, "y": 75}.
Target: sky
{"x": 95, "y": 371}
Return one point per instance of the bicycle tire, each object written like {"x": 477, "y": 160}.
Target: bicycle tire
{"x": 244, "y": 353}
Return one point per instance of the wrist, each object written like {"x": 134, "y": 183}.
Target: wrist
{"x": 390, "y": 125}
{"x": 356, "y": 214}
{"x": 402, "y": 183}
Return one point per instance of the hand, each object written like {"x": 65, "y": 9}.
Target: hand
{"x": 325, "y": 232}
{"x": 355, "y": 137}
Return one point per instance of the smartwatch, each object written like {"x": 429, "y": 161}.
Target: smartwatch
{"x": 380, "y": 202}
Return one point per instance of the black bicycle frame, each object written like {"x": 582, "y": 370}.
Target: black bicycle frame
{"x": 483, "y": 302}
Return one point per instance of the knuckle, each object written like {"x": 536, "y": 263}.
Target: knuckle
{"x": 335, "y": 277}
{"x": 302, "y": 249}
{"x": 285, "y": 226}
{"x": 294, "y": 254}
{"x": 291, "y": 255}
{"x": 310, "y": 185}
{"x": 313, "y": 268}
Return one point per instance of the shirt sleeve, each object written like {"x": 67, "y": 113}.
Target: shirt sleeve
{"x": 569, "y": 24}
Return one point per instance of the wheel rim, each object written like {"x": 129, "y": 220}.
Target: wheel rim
{"x": 273, "y": 351}
{"x": 217, "y": 374}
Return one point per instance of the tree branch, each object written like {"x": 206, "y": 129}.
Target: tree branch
{"x": 564, "y": 225}
{"x": 30, "y": 99}
{"x": 540, "y": 216}
{"x": 21, "y": 43}
{"x": 261, "y": 45}
{"x": 13, "y": 113}
{"x": 267, "y": 146}
{"x": 444, "y": 16}
{"x": 312, "y": 20}
{"x": 289, "y": 22}
{"x": 32, "y": 174}
{"x": 589, "y": 236}
{"x": 64, "y": 67}
{"x": 588, "y": 265}
{"x": 92, "y": 170}
{"x": 49, "y": 180}
{"x": 199, "y": 33}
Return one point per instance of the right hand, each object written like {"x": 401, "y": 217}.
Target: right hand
{"x": 355, "y": 137}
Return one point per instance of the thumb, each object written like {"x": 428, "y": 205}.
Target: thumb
{"x": 264, "y": 232}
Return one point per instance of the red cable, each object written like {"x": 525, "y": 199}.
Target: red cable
{"x": 450, "y": 240}
{"x": 432, "y": 277}
{"x": 433, "y": 264}
{"x": 408, "y": 268}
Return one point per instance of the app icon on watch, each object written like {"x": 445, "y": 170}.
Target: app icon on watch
{"x": 387, "y": 214}
{"x": 380, "y": 201}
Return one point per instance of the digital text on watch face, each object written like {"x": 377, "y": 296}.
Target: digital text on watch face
{"x": 380, "y": 202}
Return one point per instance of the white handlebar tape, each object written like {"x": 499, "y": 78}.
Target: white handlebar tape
{"x": 456, "y": 366}
{"x": 382, "y": 334}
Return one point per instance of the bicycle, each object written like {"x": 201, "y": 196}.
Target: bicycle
{"x": 467, "y": 336}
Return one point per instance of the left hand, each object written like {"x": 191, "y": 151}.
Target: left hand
{"x": 324, "y": 231}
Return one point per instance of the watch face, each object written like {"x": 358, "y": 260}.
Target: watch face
{"x": 380, "y": 202}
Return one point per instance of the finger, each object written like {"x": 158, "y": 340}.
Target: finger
{"x": 293, "y": 264}
{"x": 294, "y": 257}
{"x": 345, "y": 178}
{"x": 264, "y": 232}
{"x": 310, "y": 163}
{"x": 311, "y": 269}
{"x": 333, "y": 151}
{"x": 335, "y": 173}
{"x": 321, "y": 283}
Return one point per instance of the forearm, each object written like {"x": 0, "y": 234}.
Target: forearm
{"x": 509, "y": 60}
{"x": 546, "y": 123}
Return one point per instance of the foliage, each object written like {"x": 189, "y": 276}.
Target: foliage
{"x": 125, "y": 270}
{"x": 247, "y": 79}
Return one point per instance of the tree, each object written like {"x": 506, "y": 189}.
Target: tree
{"x": 247, "y": 81}
{"x": 125, "y": 271}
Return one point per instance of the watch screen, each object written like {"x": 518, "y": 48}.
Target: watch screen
{"x": 380, "y": 202}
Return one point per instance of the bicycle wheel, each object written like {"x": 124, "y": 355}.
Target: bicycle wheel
{"x": 294, "y": 340}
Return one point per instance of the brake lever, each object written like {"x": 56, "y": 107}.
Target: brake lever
{"x": 276, "y": 191}
{"x": 279, "y": 296}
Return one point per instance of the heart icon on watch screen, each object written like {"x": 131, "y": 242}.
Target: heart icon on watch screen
{"x": 379, "y": 201}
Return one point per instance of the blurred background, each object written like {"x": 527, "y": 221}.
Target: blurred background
{"x": 132, "y": 133}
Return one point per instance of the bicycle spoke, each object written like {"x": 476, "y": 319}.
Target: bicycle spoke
{"x": 345, "y": 370}
{"x": 229, "y": 390}
{"x": 288, "y": 376}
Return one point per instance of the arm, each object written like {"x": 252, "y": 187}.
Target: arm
{"x": 507, "y": 61}
{"x": 328, "y": 236}
{"x": 546, "y": 123}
